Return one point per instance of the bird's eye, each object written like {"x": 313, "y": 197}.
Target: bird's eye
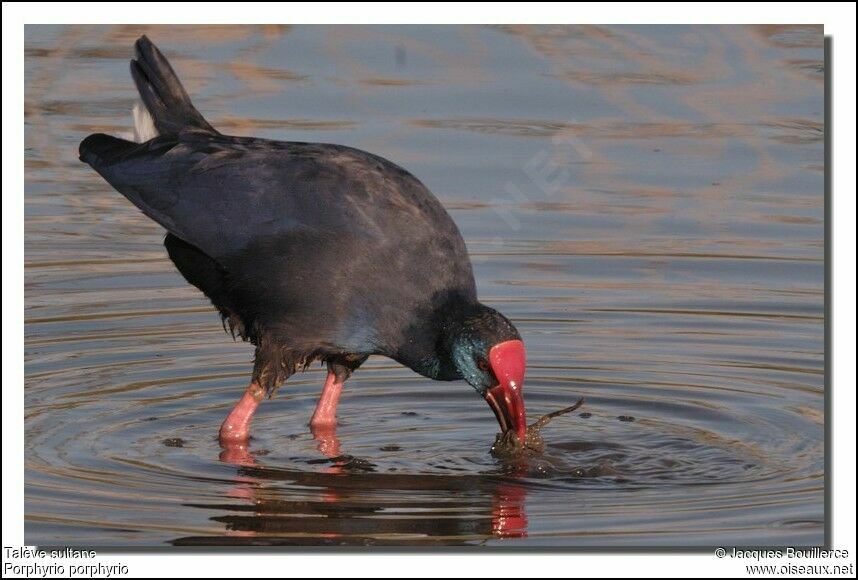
{"x": 483, "y": 364}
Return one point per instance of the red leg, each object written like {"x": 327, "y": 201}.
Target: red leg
{"x": 325, "y": 414}
{"x": 236, "y": 426}
{"x": 323, "y": 426}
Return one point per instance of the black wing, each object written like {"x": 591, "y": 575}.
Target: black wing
{"x": 301, "y": 228}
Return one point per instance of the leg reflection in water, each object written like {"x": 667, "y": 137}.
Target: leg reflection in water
{"x": 325, "y": 435}
{"x": 338, "y": 499}
{"x": 509, "y": 518}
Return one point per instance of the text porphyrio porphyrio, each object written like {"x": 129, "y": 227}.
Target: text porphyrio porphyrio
{"x": 309, "y": 251}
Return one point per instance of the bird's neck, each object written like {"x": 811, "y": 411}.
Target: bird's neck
{"x": 432, "y": 355}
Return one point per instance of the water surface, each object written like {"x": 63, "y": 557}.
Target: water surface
{"x": 646, "y": 203}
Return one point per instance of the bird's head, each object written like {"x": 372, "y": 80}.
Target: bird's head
{"x": 489, "y": 354}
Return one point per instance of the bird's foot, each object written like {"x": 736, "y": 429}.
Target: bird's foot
{"x": 236, "y": 454}
{"x": 325, "y": 434}
{"x": 235, "y": 444}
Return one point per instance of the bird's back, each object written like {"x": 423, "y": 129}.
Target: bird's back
{"x": 313, "y": 244}
{"x": 302, "y": 230}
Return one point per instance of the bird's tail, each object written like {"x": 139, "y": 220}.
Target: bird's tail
{"x": 162, "y": 93}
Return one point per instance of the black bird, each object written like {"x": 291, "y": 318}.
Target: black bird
{"x": 309, "y": 251}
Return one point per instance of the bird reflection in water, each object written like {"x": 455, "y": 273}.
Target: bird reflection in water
{"x": 342, "y": 505}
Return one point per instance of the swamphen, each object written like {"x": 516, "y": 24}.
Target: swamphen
{"x": 309, "y": 251}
